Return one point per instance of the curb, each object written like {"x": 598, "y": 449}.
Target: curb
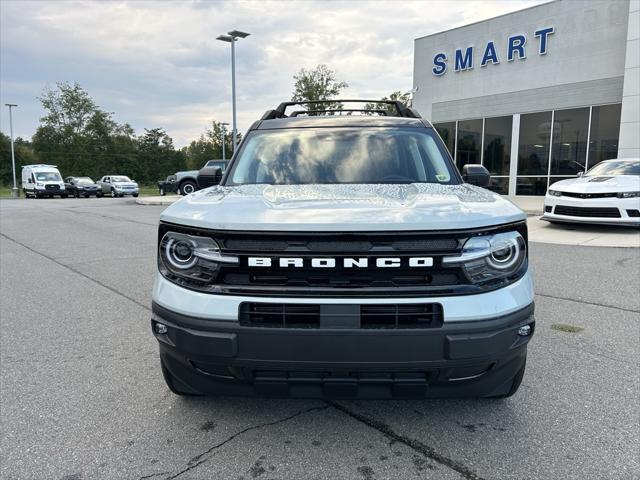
{"x": 158, "y": 200}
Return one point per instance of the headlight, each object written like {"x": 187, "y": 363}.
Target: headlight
{"x": 491, "y": 257}
{"x": 191, "y": 261}
{"x": 38, "y": 184}
{"x": 628, "y": 194}
{"x": 555, "y": 193}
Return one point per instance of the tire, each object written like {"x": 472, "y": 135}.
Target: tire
{"x": 76, "y": 194}
{"x": 113, "y": 193}
{"x": 134, "y": 195}
{"x": 120, "y": 195}
{"x": 99, "y": 195}
{"x": 515, "y": 384}
{"x": 64, "y": 195}
{"x": 187, "y": 187}
{"x": 175, "y": 385}
{"x": 86, "y": 195}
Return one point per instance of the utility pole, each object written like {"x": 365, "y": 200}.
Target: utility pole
{"x": 224, "y": 138}
{"x": 14, "y": 191}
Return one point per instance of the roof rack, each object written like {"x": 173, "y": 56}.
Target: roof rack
{"x": 39, "y": 165}
{"x": 297, "y": 113}
{"x": 401, "y": 110}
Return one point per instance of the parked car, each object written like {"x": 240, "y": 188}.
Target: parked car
{"x": 42, "y": 181}
{"x": 608, "y": 193}
{"x": 118, "y": 186}
{"x": 186, "y": 182}
{"x": 82, "y": 186}
{"x": 344, "y": 256}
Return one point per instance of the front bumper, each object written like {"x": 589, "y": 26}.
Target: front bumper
{"x": 626, "y": 207}
{"x": 459, "y": 359}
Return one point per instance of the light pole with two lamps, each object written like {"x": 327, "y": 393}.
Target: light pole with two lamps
{"x": 232, "y": 37}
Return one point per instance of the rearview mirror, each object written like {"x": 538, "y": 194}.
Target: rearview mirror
{"x": 208, "y": 176}
{"x": 476, "y": 175}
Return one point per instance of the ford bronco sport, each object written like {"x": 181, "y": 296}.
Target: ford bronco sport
{"x": 344, "y": 256}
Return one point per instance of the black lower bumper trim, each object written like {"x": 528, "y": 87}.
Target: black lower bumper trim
{"x": 459, "y": 359}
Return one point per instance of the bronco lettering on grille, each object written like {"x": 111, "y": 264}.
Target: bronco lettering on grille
{"x": 327, "y": 262}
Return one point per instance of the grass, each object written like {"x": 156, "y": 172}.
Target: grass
{"x": 565, "y": 327}
{"x": 145, "y": 191}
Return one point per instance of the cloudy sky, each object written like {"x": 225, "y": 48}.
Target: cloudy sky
{"x": 157, "y": 63}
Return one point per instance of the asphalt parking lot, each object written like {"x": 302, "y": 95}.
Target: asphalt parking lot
{"x": 82, "y": 396}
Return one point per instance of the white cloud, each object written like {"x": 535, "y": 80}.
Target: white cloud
{"x": 157, "y": 63}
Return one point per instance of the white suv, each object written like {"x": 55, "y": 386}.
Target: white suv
{"x": 344, "y": 256}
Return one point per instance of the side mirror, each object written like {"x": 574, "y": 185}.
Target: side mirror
{"x": 476, "y": 175}
{"x": 29, "y": 180}
{"x": 580, "y": 173}
{"x": 208, "y": 176}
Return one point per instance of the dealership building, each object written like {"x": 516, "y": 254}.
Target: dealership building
{"x": 537, "y": 95}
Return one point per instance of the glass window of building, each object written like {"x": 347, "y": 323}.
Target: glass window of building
{"x": 497, "y": 152}
{"x": 569, "y": 149}
{"x": 605, "y": 129}
{"x": 533, "y": 148}
{"x": 469, "y": 142}
{"x": 533, "y": 153}
{"x": 447, "y": 131}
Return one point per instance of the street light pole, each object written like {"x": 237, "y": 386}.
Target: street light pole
{"x": 232, "y": 37}
{"x": 224, "y": 138}
{"x": 14, "y": 190}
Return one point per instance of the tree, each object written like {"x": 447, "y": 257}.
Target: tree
{"x": 209, "y": 146}
{"x": 404, "y": 98}
{"x": 157, "y": 156}
{"x": 318, "y": 84}
{"x": 24, "y": 155}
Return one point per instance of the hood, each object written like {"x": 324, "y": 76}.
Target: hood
{"x": 187, "y": 173}
{"x": 604, "y": 184}
{"x": 342, "y": 208}
{"x": 125, "y": 184}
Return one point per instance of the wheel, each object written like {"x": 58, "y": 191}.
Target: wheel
{"x": 187, "y": 187}
{"x": 162, "y": 192}
{"x": 64, "y": 195}
{"x": 175, "y": 385}
{"x": 515, "y": 384}
{"x": 134, "y": 195}
{"x": 86, "y": 195}
{"x": 120, "y": 195}
{"x": 113, "y": 193}
{"x": 99, "y": 195}
{"x": 24, "y": 192}
{"x": 76, "y": 194}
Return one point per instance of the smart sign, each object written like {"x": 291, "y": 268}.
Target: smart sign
{"x": 463, "y": 59}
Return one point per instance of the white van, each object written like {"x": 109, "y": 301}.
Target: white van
{"x": 42, "y": 181}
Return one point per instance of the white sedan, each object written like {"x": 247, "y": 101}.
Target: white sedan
{"x": 608, "y": 193}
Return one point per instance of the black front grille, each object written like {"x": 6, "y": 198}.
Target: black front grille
{"x": 52, "y": 187}
{"x": 365, "y": 316}
{"x": 589, "y": 195}
{"x": 633, "y": 213}
{"x": 586, "y": 211}
{"x": 354, "y": 270}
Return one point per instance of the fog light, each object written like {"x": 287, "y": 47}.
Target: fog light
{"x": 160, "y": 328}
{"x": 522, "y": 331}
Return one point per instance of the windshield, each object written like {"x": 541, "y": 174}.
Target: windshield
{"x": 47, "y": 176}
{"x": 120, "y": 179}
{"x": 84, "y": 181}
{"x": 342, "y": 155}
{"x": 615, "y": 167}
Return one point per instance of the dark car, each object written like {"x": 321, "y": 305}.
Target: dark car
{"x": 82, "y": 186}
{"x": 186, "y": 182}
